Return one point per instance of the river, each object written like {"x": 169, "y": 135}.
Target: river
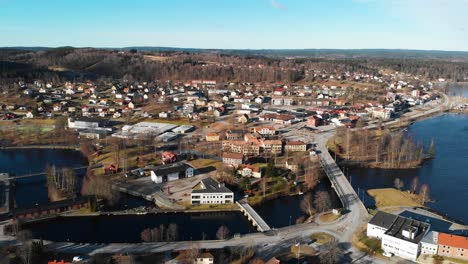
{"x": 446, "y": 174}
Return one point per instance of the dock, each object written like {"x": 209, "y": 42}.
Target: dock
{"x": 253, "y": 216}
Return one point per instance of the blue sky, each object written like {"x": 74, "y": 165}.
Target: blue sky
{"x": 255, "y": 24}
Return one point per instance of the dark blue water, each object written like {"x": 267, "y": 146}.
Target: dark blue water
{"x": 103, "y": 229}
{"x": 31, "y": 191}
{"x": 284, "y": 211}
{"x": 446, "y": 174}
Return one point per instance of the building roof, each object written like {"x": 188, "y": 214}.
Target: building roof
{"x": 453, "y": 240}
{"x": 171, "y": 168}
{"x": 402, "y": 223}
{"x": 229, "y": 155}
{"x": 209, "y": 185}
{"x": 383, "y": 219}
{"x": 297, "y": 143}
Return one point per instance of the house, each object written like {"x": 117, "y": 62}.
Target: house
{"x": 381, "y": 113}
{"x": 168, "y": 157}
{"x": 295, "y": 146}
{"x": 58, "y": 262}
{"x": 400, "y": 236}
{"x": 204, "y": 258}
{"x": 171, "y": 172}
{"x": 29, "y": 114}
{"x": 277, "y": 101}
{"x": 233, "y": 159}
{"x": 250, "y": 171}
{"x": 111, "y": 169}
{"x": 452, "y": 246}
{"x": 264, "y": 130}
{"x": 314, "y": 121}
{"x": 212, "y": 136}
{"x": 212, "y": 192}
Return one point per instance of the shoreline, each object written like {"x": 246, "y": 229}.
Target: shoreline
{"x": 41, "y": 147}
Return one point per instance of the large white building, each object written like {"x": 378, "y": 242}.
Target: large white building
{"x": 212, "y": 192}
{"x": 400, "y": 236}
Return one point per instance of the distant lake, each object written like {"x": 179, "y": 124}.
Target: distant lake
{"x": 458, "y": 89}
{"x": 446, "y": 174}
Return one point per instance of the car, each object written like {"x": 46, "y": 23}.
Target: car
{"x": 388, "y": 254}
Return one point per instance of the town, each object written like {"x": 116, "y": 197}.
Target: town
{"x": 193, "y": 147}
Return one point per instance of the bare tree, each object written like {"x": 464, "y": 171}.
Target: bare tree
{"x": 322, "y": 201}
{"x": 424, "y": 193}
{"x": 25, "y": 250}
{"x": 331, "y": 254}
{"x": 414, "y": 184}
{"x": 172, "y": 232}
{"x": 222, "y": 233}
{"x": 398, "y": 183}
{"x": 187, "y": 256}
{"x": 307, "y": 205}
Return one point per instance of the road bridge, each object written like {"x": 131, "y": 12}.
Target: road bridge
{"x": 253, "y": 216}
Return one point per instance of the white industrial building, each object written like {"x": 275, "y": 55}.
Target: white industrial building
{"x": 400, "y": 236}
{"x": 144, "y": 128}
{"x": 212, "y": 192}
{"x": 171, "y": 172}
{"x": 429, "y": 243}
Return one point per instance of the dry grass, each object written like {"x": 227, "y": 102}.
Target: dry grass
{"x": 322, "y": 238}
{"x": 203, "y": 163}
{"x": 328, "y": 217}
{"x": 389, "y": 197}
{"x": 156, "y": 58}
{"x": 304, "y": 250}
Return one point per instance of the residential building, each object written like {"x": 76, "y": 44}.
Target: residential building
{"x": 233, "y": 159}
{"x": 295, "y": 146}
{"x": 429, "y": 243}
{"x": 204, "y": 258}
{"x": 264, "y": 130}
{"x": 273, "y": 146}
{"x": 168, "y": 157}
{"x": 212, "y": 192}
{"x": 452, "y": 246}
{"x": 381, "y": 113}
{"x": 171, "y": 172}
{"x": 250, "y": 171}
{"x": 212, "y": 136}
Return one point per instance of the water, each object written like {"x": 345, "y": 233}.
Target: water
{"x": 458, "y": 89}
{"x": 127, "y": 229}
{"x": 32, "y": 190}
{"x": 284, "y": 211}
{"x": 446, "y": 174}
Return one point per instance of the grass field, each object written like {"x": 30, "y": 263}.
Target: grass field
{"x": 204, "y": 163}
{"x": 389, "y": 197}
{"x": 321, "y": 238}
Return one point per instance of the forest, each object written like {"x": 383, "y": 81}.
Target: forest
{"x": 149, "y": 65}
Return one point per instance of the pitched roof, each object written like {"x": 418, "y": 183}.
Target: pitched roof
{"x": 229, "y": 155}
{"x": 212, "y": 186}
{"x": 453, "y": 240}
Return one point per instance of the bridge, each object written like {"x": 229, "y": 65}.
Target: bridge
{"x": 253, "y": 216}
{"x": 34, "y": 174}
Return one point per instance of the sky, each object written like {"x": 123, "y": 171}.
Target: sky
{"x": 237, "y": 24}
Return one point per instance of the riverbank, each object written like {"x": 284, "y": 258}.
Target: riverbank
{"x": 72, "y": 147}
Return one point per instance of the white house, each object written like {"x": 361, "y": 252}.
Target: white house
{"x": 204, "y": 258}
{"x": 212, "y": 192}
